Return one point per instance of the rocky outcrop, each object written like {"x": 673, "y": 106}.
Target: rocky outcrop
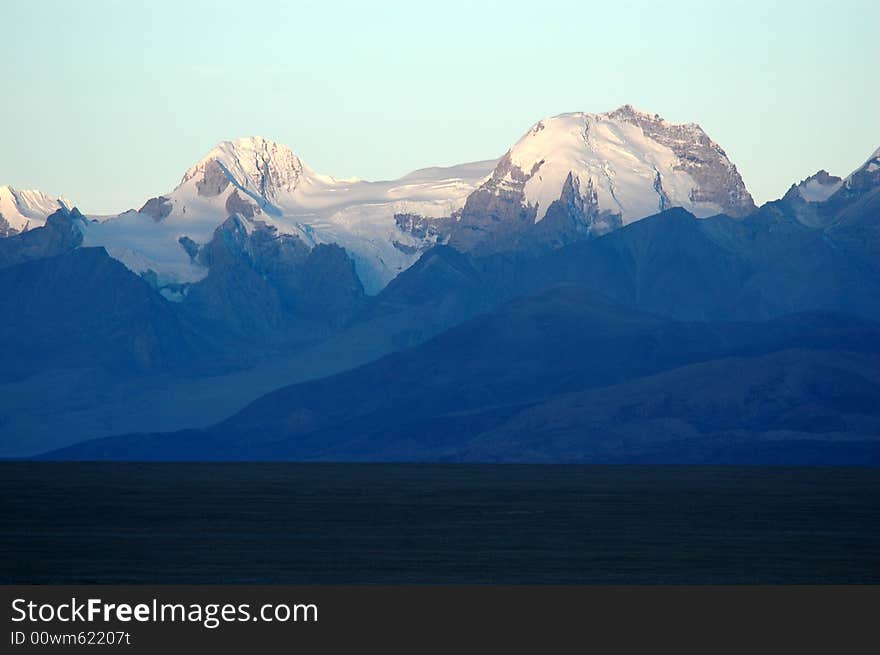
{"x": 190, "y": 247}
{"x": 497, "y": 219}
{"x": 495, "y": 215}
{"x": 61, "y": 233}
{"x": 863, "y": 182}
{"x": 159, "y": 208}
{"x": 429, "y": 230}
{"x": 817, "y": 188}
{"x": 6, "y": 230}
{"x": 235, "y": 204}
{"x": 575, "y": 216}
{"x": 213, "y": 181}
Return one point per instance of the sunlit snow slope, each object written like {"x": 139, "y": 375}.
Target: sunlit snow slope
{"x": 636, "y": 163}
{"x": 25, "y": 209}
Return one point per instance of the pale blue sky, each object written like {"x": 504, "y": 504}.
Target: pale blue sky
{"x": 109, "y": 103}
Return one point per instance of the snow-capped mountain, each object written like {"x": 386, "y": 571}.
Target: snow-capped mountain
{"x": 636, "y": 163}
{"x": 816, "y": 188}
{"x": 818, "y": 199}
{"x": 569, "y": 177}
{"x": 25, "y": 209}
{"x": 863, "y": 179}
{"x": 612, "y": 168}
{"x": 267, "y": 185}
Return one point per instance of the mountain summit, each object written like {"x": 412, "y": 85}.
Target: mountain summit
{"x": 274, "y": 192}
{"x": 636, "y": 163}
{"x": 259, "y": 166}
{"x": 608, "y": 170}
{"x": 864, "y": 179}
{"x": 25, "y": 209}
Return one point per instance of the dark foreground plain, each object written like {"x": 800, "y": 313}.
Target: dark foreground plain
{"x": 363, "y": 523}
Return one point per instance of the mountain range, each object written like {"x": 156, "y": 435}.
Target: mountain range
{"x": 567, "y": 376}
{"x": 589, "y": 172}
{"x": 605, "y": 291}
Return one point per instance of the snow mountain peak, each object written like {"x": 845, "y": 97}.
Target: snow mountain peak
{"x": 592, "y": 173}
{"x": 817, "y": 188}
{"x": 636, "y": 162}
{"x": 257, "y": 165}
{"x": 25, "y": 209}
{"x": 270, "y": 193}
{"x": 872, "y": 165}
{"x": 865, "y": 179}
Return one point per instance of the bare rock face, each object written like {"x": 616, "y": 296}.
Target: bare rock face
{"x": 61, "y": 233}
{"x": 190, "y": 247}
{"x": 574, "y": 217}
{"x": 428, "y": 231}
{"x": 717, "y": 179}
{"x": 235, "y": 204}
{"x": 6, "y": 230}
{"x": 213, "y": 182}
{"x": 494, "y": 215}
{"x": 497, "y": 218}
{"x": 159, "y": 208}
{"x": 825, "y": 178}
{"x": 864, "y": 181}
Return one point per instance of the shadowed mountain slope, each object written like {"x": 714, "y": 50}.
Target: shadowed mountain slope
{"x": 445, "y": 399}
